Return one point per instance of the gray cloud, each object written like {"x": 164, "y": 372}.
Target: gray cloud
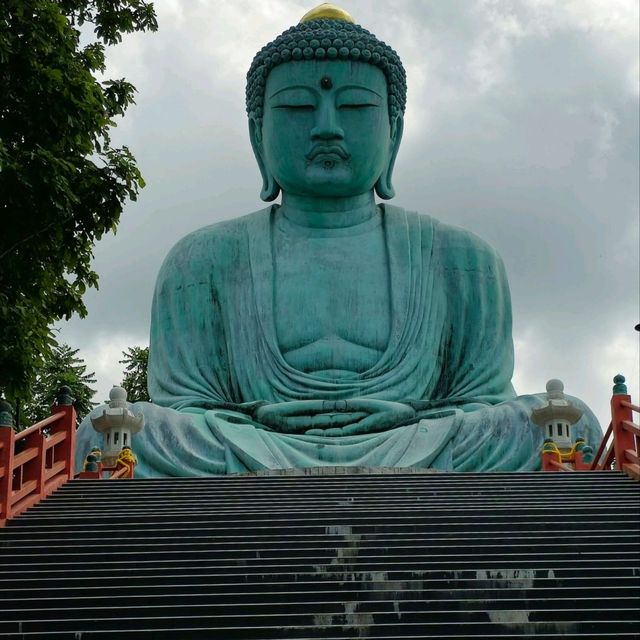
{"x": 521, "y": 126}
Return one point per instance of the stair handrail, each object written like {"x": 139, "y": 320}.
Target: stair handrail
{"x": 620, "y": 448}
{"x": 37, "y": 460}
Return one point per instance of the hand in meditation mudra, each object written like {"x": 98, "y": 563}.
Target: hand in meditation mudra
{"x": 331, "y": 330}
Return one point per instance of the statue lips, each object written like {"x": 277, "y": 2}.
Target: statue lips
{"x": 328, "y": 151}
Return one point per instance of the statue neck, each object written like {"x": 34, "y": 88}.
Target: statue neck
{"x": 328, "y": 213}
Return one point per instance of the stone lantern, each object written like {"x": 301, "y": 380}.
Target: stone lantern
{"x": 557, "y": 418}
{"x": 117, "y": 424}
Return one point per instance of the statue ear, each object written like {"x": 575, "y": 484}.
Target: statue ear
{"x": 384, "y": 187}
{"x": 270, "y": 188}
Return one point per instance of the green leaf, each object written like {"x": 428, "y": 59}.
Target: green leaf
{"x": 136, "y": 361}
{"x": 61, "y": 184}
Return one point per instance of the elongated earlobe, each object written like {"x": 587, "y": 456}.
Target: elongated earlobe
{"x": 384, "y": 187}
{"x": 270, "y": 188}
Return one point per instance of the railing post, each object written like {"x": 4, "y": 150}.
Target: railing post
{"x": 34, "y": 469}
{"x": 64, "y": 403}
{"x": 622, "y": 439}
{"x": 7, "y": 448}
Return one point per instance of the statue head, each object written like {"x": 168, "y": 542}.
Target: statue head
{"x": 325, "y": 102}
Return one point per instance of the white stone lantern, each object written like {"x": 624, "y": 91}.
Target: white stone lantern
{"x": 557, "y": 418}
{"x": 117, "y": 424}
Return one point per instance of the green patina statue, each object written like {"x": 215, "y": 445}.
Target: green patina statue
{"x": 331, "y": 330}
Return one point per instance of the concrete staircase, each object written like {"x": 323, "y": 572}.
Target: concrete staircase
{"x": 402, "y": 555}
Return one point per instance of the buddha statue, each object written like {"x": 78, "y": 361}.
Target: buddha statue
{"x": 332, "y": 329}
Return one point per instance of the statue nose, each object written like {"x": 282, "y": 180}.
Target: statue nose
{"x": 327, "y": 126}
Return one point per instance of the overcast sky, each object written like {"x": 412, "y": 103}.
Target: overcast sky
{"x": 521, "y": 125}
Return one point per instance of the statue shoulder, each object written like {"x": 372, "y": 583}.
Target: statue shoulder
{"x": 446, "y": 240}
{"x": 215, "y": 244}
{"x": 461, "y": 245}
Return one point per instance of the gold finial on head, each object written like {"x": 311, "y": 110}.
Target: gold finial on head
{"x": 326, "y": 10}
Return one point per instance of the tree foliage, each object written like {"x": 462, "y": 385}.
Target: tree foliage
{"x": 61, "y": 367}
{"x": 136, "y": 361}
{"x": 62, "y": 184}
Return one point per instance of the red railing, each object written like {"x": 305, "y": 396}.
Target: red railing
{"x": 620, "y": 446}
{"x": 36, "y": 461}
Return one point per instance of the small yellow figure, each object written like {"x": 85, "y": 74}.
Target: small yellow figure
{"x": 127, "y": 459}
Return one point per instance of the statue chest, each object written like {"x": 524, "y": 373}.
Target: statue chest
{"x": 332, "y": 302}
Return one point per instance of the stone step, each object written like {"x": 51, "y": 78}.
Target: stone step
{"x": 154, "y": 578}
{"x": 301, "y": 544}
{"x": 280, "y": 626}
{"x": 350, "y": 558}
{"x": 340, "y": 515}
{"x": 336, "y": 614}
{"x": 406, "y": 633}
{"x": 330, "y": 602}
{"x": 399, "y": 525}
{"x": 145, "y": 574}
{"x": 323, "y": 505}
{"x": 348, "y": 547}
{"x": 207, "y": 502}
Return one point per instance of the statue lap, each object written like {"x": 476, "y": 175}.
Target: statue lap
{"x": 493, "y": 438}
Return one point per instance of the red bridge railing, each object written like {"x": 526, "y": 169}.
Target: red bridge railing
{"x": 36, "y": 461}
{"x": 620, "y": 446}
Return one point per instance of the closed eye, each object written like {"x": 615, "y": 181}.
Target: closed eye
{"x": 363, "y": 105}
{"x": 295, "y": 107}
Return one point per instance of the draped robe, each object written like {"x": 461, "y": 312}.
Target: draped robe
{"x": 214, "y": 356}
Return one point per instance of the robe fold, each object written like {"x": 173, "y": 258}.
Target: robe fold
{"x": 214, "y": 355}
